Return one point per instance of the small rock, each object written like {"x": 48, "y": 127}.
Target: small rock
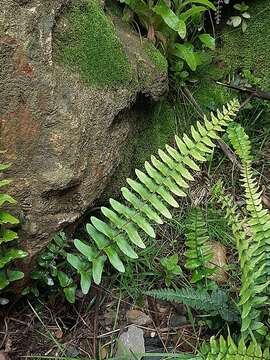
{"x": 219, "y": 262}
{"x": 131, "y": 343}
{"x": 138, "y": 317}
{"x": 72, "y": 351}
{"x": 177, "y": 320}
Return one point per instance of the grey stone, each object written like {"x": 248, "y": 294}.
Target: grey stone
{"x": 177, "y": 320}
{"x": 64, "y": 137}
{"x": 132, "y": 341}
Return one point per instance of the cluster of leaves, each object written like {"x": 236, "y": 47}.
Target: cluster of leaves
{"x": 241, "y": 18}
{"x": 53, "y": 270}
{"x": 171, "y": 268}
{"x": 8, "y": 253}
{"x": 178, "y": 27}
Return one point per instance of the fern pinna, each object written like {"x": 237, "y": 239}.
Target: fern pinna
{"x": 199, "y": 251}
{"x": 147, "y": 199}
{"x": 256, "y": 263}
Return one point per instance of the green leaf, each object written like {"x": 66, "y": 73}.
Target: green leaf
{"x": 6, "y": 218}
{"x": 114, "y": 259}
{"x": 76, "y": 262}
{"x": 5, "y": 166}
{"x": 70, "y": 294}
{"x": 186, "y": 52}
{"x": 14, "y": 275}
{"x": 88, "y": 251}
{"x": 10, "y": 255}
{"x": 4, "y": 198}
{"x": 3, "y": 280}
{"x": 194, "y": 10}
{"x": 5, "y": 182}
{"x": 64, "y": 279}
{"x": 202, "y": 2}
{"x": 171, "y": 19}
{"x": 85, "y": 282}
{"x": 8, "y": 235}
{"x": 207, "y": 40}
{"x": 98, "y": 265}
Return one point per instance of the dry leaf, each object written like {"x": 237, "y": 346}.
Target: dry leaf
{"x": 138, "y": 317}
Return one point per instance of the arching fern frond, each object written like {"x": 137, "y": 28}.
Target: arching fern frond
{"x": 257, "y": 269}
{"x": 251, "y": 300}
{"x": 199, "y": 251}
{"x": 148, "y": 197}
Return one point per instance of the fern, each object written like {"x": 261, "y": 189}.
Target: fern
{"x": 199, "y": 251}
{"x": 148, "y": 198}
{"x": 8, "y": 254}
{"x": 227, "y": 350}
{"x": 255, "y": 254}
{"x": 217, "y": 302}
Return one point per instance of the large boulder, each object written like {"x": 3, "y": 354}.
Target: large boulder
{"x": 69, "y": 76}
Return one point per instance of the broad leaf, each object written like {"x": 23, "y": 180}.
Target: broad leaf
{"x": 186, "y": 52}
{"x": 85, "y": 282}
{"x": 86, "y": 250}
{"x": 6, "y": 218}
{"x": 98, "y": 265}
{"x": 207, "y": 40}
{"x": 70, "y": 294}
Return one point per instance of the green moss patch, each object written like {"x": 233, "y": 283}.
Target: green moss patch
{"x": 89, "y": 44}
{"x": 250, "y": 50}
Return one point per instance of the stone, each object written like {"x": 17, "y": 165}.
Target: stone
{"x": 138, "y": 317}
{"x": 64, "y": 135}
{"x": 177, "y": 320}
{"x": 131, "y": 342}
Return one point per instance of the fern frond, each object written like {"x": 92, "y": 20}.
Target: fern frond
{"x": 215, "y": 302}
{"x": 199, "y": 251}
{"x": 254, "y": 254}
{"x": 148, "y": 197}
{"x": 251, "y": 300}
{"x": 228, "y": 350}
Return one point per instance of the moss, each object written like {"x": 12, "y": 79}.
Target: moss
{"x": 89, "y": 44}
{"x": 250, "y": 50}
{"x": 154, "y": 126}
{"x": 155, "y": 56}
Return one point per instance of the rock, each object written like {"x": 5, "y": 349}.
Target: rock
{"x": 138, "y": 317}
{"x": 177, "y": 320}
{"x": 4, "y": 355}
{"x": 131, "y": 342}
{"x": 219, "y": 262}
{"x": 64, "y": 132}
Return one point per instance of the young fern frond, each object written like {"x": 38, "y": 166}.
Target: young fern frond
{"x": 250, "y": 299}
{"x": 227, "y": 350}
{"x": 199, "y": 251}
{"x": 148, "y": 198}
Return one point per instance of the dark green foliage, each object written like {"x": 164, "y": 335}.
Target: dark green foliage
{"x": 213, "y": 303}
{"x": 8, "y": 253}
{"x": 52, "y": 269}
{"x": 199, "y": 251}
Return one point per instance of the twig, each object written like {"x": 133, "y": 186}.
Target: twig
{"x": 253, "y": 91}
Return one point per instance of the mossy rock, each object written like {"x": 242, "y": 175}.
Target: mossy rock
{"x": 86, "y": 41}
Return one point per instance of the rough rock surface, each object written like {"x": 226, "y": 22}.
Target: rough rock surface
{"x": 63, "y": 136}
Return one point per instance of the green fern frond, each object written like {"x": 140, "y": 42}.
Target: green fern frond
{"x": 215, "y": 302}
{"x": 251, "y": 300}
{"x": 148, "y": 197}
{"x": 227, "y": 350}
{"x": 199, "y": 251}
{"x": 255, "y": 288}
